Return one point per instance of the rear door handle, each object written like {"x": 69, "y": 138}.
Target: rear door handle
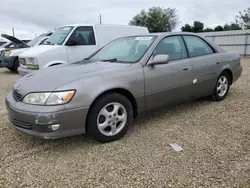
{"x": 185, "y": 69}
{"x": 218, "y": 63}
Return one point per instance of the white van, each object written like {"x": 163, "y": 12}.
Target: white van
{"x": 72, "y": 43}
{"x": 9, "y": 56}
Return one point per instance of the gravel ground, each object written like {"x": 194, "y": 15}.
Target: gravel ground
{"x": 215, "y": 138}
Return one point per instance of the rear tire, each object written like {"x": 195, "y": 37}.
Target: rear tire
{"x": 222, "y": 87}
{"x": 109, "y": 118}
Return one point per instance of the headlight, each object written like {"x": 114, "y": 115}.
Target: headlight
{"x": 52, "y": 98}
{"x": 32, "y": 63}
{"x": 7, "y": 53}
{"x": 31, "y": 60}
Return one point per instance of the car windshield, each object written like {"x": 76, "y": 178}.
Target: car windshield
{"x": 35, "y": 40}
{"x": 127, "y": 49}
{"x": 59, "y": 36}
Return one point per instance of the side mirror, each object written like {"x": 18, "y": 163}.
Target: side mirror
{"x": 159, "y": 59}
{"x": 72, "y": 42}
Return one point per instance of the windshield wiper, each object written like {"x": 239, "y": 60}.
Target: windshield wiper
{"x": 111, "y": 60}
{"x": 48, "y": 43}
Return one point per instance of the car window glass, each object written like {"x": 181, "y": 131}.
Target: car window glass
{"x": 197, "y": 47}
{"x": 59, "y": 36}
{"x": 43, "y": 41}
{"x": 127, "y": 49}
{"x": 34, "y": 41}
{"x": 84, "y": 36}
{"x": 173, "y": 47}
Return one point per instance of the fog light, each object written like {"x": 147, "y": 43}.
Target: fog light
{"x": 54, "y": 127}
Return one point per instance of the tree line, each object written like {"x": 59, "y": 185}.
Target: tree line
{"x": 158, "y": 19}
{"x": 198, "y": 27}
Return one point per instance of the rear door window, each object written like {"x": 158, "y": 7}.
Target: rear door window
{"x": 197, "y": 47}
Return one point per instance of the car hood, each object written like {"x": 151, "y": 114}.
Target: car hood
{"x": 38, "y": 50}
{"x": 51, "y": 78}
{"x": 17, "y": 51}
{"x": 14, "y": 40}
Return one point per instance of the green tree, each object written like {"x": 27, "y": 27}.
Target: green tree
{"x": 208, "y": 30}
{"x": 244, "y": 19}
{"x": 198, "y": 26}
{"x": 232, "y": 26}
{"x": 156, "y": 19}
{"x": 187, "y": 28}
{"x": 218, "y": 28}
{"x": 227, "y": 27}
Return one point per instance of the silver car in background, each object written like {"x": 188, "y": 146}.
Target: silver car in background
{"x": 102, "y": 95}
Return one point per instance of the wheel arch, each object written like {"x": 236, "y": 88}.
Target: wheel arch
{"x": 121, "y": 91}
{"x": 52, "y": 63}
{"x": 230, "y": 73}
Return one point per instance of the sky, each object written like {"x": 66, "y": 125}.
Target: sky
{"x": 33, "y": 17}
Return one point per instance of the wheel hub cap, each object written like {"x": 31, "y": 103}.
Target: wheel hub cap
{"x": 112, "y": 119}
{"x": 222, "y": 86}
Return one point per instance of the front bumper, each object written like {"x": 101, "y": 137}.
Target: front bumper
{"x": 7, "y": 61}
{"x": 23, "y": 71}
{"x": 34, "y": 120}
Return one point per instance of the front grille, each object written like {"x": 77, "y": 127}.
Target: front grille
{"x": 22, "y": 61}
{"x": 16, "y": 95}
{"x": 21, "y": 124}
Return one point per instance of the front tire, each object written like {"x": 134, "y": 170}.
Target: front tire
{"x": 109, "y": 118}
{"x": 15, "y": 65}
{"x": 222, "y": 87}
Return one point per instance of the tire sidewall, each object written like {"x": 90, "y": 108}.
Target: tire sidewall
{"x": 216, "y": 97}
{"x": 91, "y": 125}
{"x": 15, "y": 65}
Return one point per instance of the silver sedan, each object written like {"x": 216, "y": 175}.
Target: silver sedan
{"x": 102, "y": 94}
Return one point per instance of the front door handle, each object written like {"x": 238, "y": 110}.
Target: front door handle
{"x": 185, "y": 69}
{"x": 218, "y": 63}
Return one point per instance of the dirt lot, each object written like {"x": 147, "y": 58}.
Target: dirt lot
{"x": 215, "y": 138}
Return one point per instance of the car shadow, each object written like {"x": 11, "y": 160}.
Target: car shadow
{"x": 8, "y": 72}
{"x": 152, "y": 116}
{"x": 82, "y": 141}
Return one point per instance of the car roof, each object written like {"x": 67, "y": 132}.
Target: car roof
{"x": 83, "y": 24}
{"x": 168, "y": 33}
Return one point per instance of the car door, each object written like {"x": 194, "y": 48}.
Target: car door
{"x": 169, "y": 83}
{"x": 205, "y": 63}
{"x": 85, "y": 43}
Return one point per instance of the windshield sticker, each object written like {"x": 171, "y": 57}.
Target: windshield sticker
{"x": 143, "y": 38}
{"x": 66, "y": 28}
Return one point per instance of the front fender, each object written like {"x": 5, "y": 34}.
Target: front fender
{"x": 89, "y": 88}
{"x": 54, "y": 62}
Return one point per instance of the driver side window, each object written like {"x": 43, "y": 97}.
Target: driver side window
{"x": 172, "y": 46}
{"x": 84, "y": 36}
